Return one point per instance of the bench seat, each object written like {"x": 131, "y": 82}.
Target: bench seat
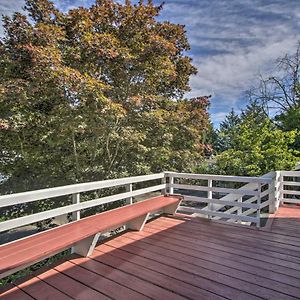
{"x": 82, "y": 234}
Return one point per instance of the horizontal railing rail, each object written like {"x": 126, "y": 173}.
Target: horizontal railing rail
{"x": 236, "y": 204}
{"x": 13, "y": 199}
{"x": 75, "y": 190}
{"x": 219, "y": 197}
{"x": 220, "y": 177}
{"x": 290, "y": 187}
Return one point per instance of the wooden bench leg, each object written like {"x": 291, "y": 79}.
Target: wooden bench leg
{"x": 172, "y": 208}
{"x": 138, "y": 223}
{"x": 86, "y": 246}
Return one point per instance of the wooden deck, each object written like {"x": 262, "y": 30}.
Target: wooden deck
{"x": 181, "y": 258}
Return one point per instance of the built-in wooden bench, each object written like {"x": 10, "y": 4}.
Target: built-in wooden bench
{"x": 82, "y": 235}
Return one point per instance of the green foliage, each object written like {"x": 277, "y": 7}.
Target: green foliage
{"x": 290, "y": 119}
{"x": 95, "y": 93}
{"x": 257, "y": 145}
{"x": 224, "y": 138}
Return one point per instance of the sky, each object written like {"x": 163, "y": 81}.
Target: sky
{"x": 233, "y": 42}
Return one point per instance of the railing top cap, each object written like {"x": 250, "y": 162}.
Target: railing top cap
{"x": 31, "y": 196}
{"x": 222, "y": 177}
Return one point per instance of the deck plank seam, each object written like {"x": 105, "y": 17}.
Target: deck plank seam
{"x": 227, "y": 240}
{"x": 200, "y": 276}
{"x": 275, "y": 281}
{"x": 83, "y": 283}
{"x": 243, "y": 240}
{"x": 237, "y": 229}
{"x": 71, "y": 279}
{"x": 244, "y": 257}
{"x": 213, "y": 240}
{"x": 223, "y": 265}
{"x": 236, "y": 278}
{"x": 217, "y": 224}
{"x": 209, "y": 291}
{"x": 236, "y": 254}
{"x": 82, "y": 266}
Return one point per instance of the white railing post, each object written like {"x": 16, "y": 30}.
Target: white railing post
{"x": 129, "y": 189}
{"x": 209, "y": 196}
{"x": 75, "y": 214}
{"x": 281, "y": 189}
{"x": 164, "y": 181}
{"x": 289, "y": 187}
{"x": 240, "y": 209}
{"x": 275, "y": 190}
{"x": 258, "y": 204}
{"x": 171, "y": 181}
{"x": 76, "y": 200}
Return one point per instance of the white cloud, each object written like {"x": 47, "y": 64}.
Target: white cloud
{"x": 226, "y": 76}
{"x": 233, "y": 42}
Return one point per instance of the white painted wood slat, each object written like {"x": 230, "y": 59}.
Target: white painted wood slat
{"x": 218, "y": 201}
{"x": 14, "y": 223}
{"x": 290, "y": 192}
{"x": 221, "y": 177}
{"x": 13, "y": 199}
{"x": 215, "y": 189}
{"x": 219, "y": 214}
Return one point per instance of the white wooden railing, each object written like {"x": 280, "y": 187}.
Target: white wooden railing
{"x": 236, "y": 204}
{"x": 242, "y": 202}
{"x": 74, "y": 190}
{"x": 290, "y": 187}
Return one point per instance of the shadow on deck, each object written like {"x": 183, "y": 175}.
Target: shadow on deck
{"x": 180, "y": 258}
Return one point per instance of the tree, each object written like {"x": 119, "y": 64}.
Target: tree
{"x": 224, "y": 139}
{"x": 258, "y": 146}
{"x": 279, "y": 92}
{"x": 95, "y": 93}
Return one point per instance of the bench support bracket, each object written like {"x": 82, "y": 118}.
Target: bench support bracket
{"x": 86, "y": 246}
{"x": 171, "y": 209}
{"x": 138, "y": 223}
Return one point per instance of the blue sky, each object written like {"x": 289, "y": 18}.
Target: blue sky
{"x": 232, "y": 42}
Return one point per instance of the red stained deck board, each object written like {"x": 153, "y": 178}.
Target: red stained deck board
{"x": 232, "y": 234}
{"x": 144, "y": 287}
{"x": 208, "y": 247}
{"x": 287, "y": 251}
{"x": 196, "y": 275}
{"x": 71, "y": 287}
{"x": 245, "y": 242}
{"x": 103, "y": 285}
{"x": 180, "y": 258}
{"x": 201, "y": 252}
{"x": 208, "y": 261}
{"x": 288, "y": 211}
{"x": 235, "y": 229}
{"x": 175, "y": 280}
{"x": 138, "y": 255}
{"x": 30, "y": 249}
{"x": 286, "y": 221}
{"x": 15, "y": 294}
{"x": 285, "y": 232}
{"x": 40, "y": 290}
{"x": 241, "y": 243}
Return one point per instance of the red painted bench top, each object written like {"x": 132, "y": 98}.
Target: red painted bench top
{"x": 44, "y": 244}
